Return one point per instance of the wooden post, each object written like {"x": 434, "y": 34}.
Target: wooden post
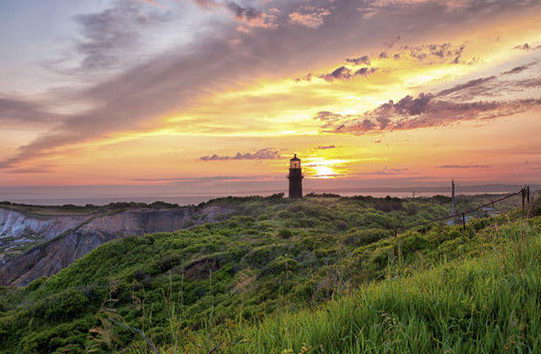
{"x": 464, "y": 221}
{"x": 528, "y": 200}
{"x": 395, "y": 233}
{"x": 523, "y": 192}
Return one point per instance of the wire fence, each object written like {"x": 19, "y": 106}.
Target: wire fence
{"x": 524, "y": 192}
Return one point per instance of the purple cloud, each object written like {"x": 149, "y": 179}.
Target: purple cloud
{"x": 220, "y": 56}
{"x": 424, "y": 111}
{"x": 263, "y": 154}
{"x": 309, "y": 16}
{"x": 527, "y": 46}
{"x": 359, "y": 61}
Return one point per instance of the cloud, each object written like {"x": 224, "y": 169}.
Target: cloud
{"x": 326, "y": 147}
{"x": 344, "y": 73}
{"x": 470, "y": 89}
{"x": 14, "y": 109}
{"x": 439, "y": 52}
{"x": 519, "y": 69}
{"x": 106, "y": 36}
{"x": 243, "y": 13}
{"x": 434, "y": 51}
{"x": 526, "y": 46}
{"x": 385, "y": 171}
{"x": 464, "y": 166}
{"x": 392, "y": 171}
{"x": 491, "y": 86}
{"x": 263, "y": 154}
{"x": 428, "y": 54}
{"x": 340, "y": 73}
{"x": 462, "y": 102}
{"x": 202, "y": 179}
{"x": 528, "y": 83}
{"x": 424, "y": 111}
{"x": 365, "y": 59}
{"x": 249, "y": 15}
{"x": 31, "y": 170}
{"x": 309, "y": 16}
{"x": 451, "y": 7}
{"x": 218, "y": 57}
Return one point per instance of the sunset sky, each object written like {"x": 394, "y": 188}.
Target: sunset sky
{"x": 161, "y": 97}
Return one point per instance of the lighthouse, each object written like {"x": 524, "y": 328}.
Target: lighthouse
{"x": 295, "y": 178}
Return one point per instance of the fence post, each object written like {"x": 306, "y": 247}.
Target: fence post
{"x": 528, "y": 200}
{"x": 464, "y": 221}
{"x": 523, "y": 192}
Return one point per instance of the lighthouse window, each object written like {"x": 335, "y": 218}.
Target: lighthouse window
{"x": 295, "y": 164}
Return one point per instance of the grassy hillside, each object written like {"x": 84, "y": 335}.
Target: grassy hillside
{"x": 487, "y": 304}
{"x": 206, "y": 288}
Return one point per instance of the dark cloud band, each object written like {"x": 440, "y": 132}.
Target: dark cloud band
{"x": 263, "y": 154}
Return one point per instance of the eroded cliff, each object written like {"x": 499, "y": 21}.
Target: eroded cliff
{"x": 36, "y": 245}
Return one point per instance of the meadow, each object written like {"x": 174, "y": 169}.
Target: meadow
{"x": 322, "y": 274}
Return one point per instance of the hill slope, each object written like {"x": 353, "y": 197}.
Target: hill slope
{"x": 489, "y": 304}
{"x": 186, "y": 289}
{"x": 40, "y": 241}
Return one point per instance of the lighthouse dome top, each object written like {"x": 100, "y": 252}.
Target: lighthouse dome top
{"x": 295, "y": 158}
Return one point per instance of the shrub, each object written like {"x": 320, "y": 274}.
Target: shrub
{"x": 278, "y": 265}
{"x": 414, "y": 242}
{"x": 62, "y": 306}
{"x": 342, "y": 225}
{"x": 168, "y": 262}
{"x": 358, "y": 237}
{"x": 411, "y": 208}
{"x": 36, "y": 284}
{"x": 388, "y": 204}
{"x": 375, "y": 220}
{"x": 285, "y": 233}
{"x": 260, "y": 256}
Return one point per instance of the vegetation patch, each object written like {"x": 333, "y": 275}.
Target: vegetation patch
{"x": 212, "y": 285}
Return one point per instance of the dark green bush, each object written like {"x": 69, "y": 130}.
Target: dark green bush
{"x": 388, "y": 204}
{"x": 358, "y": 237}
{"x": 285, "y": 233}
{"x": 278, "y": 265}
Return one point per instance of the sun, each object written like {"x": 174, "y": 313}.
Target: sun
{"x": 320, "y": 167}
{"x": 324, "y": 172}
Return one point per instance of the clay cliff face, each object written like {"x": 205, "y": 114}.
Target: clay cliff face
{"x": 61, "y": 239}
{"x": 19, "y": 230}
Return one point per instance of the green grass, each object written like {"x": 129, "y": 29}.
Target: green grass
{"x": 490, "y": 304}
{"x": 252, "y": 283}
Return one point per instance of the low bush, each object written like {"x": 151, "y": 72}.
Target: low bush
{"x": 357, "y": 237}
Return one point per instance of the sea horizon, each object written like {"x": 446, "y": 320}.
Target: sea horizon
{"x": 185, "y": 199}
